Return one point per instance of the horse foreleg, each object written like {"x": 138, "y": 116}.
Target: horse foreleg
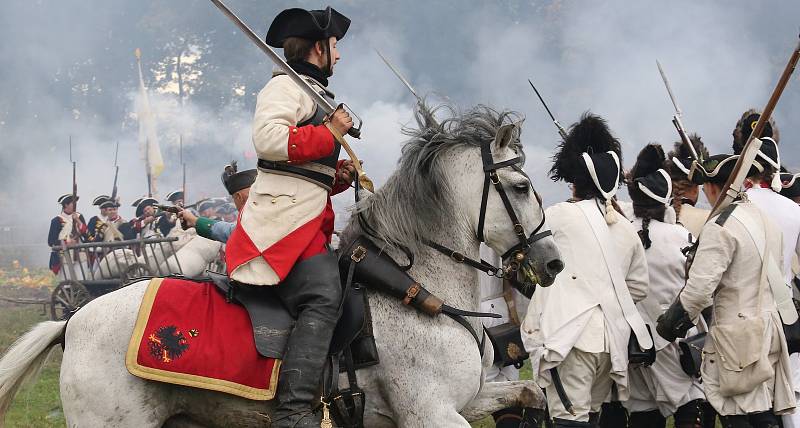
{"x": 495, "y": 396}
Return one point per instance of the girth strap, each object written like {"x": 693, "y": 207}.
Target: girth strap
{"x": 464, "y": 323}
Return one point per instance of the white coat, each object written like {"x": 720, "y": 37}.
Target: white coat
{"x": 581, "y": 309}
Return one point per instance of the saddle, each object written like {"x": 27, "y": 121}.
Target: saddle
{"x": 272, "y": 322}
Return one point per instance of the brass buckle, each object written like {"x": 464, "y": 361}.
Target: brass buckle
{"x": 411, "y": 293}
{"x": 358, "y": 254}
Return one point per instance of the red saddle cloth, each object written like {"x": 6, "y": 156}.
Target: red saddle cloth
{"x": 186, "y": 334}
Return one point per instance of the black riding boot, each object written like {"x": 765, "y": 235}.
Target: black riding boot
{"x": 312, "y": 293}
{"x": 649, "y": 419}
{"x": 613, "y": 415}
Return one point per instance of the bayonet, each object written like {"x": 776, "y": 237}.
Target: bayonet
{"x": 116, "y": 175}
{"x": 400, "y": 76}
{"x": 561, "y": 130}
{"x": 676, "y": 121}
{"x": 321, "y": 102}
{"x": 183, "y": 165}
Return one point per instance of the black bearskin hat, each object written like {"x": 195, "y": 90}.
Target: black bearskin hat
{"x": 744, "y": 127}
{"x": 649, "y": 184}
{"x": 590, "y": 135}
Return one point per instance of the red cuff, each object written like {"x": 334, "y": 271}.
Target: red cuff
{"x": 308, "y": 143}
{"x": 83, "y": 228}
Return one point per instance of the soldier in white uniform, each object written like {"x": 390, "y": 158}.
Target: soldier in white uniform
{"x": 662, "y": 389}
{"x": 746, "y": 373}
{"x": 578, "y": 330}
{"x": 764, "y": 183}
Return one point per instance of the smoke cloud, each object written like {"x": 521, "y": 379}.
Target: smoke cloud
{"x": 69, "y": 70}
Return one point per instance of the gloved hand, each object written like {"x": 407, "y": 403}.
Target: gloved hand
{"x": 674, "y": 323}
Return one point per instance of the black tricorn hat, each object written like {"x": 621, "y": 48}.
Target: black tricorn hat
{"x": 790, "y": 184}
{"x": 109, "y": 204}
{"x": 174, "y": 195}
{"x": 145, "y": 202}
{"x": 65, "y": 199}
{"x": 136, "y": 201}
{"x": 679, "y": 160}
{"x": 234, "y": 181}
{"x": 719, "y": 167}
{"x": 307, "y": 24}
{"x": 650, "y": 185}
{"x": 100, "y": 199}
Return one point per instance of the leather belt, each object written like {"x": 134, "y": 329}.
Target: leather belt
{"x": 317, "y": 173}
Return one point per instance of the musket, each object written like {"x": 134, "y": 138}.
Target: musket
{"x": 561, "y": 130}
{"x": 116, "y": 174}
{"x": 74, "y": 177}
{"x": 697, "y": 161}
{"x": 321, "y": 102}
{"x": 733, "y": 186}
{"x": 183, "y": 165}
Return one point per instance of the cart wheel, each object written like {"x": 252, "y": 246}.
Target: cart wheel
{"x": 67, "y": 298}
{"x": 136, "y": 270}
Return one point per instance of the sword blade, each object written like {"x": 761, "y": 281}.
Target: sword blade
{"x": 302, "y": 83}
{"x": 669, "y": 88}
{"x": 399, "y": 75}
{"x": 561, "y": 131}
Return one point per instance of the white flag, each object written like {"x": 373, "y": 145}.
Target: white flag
{"x": 148, "y": 140}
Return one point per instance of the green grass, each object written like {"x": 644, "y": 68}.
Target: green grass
{"x": 37, "y": 405}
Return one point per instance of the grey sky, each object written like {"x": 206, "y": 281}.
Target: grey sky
{"x": 68, "y": 69}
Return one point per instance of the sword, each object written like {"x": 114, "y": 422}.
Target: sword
{"x": 399, "y": 76}
{"x": 326, "y": 106}
{"x": 561, "y": 130}
{"x": 676, "y": 120}
{"x": 562, "y": 394}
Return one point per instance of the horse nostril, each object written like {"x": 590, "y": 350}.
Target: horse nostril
{"x": 555, "y": 266}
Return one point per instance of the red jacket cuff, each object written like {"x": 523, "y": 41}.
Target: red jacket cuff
{"x": 308, "y": 143}
{"x": 338, "y": 186}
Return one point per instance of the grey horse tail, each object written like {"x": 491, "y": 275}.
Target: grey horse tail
{"x": 24, "y": 359}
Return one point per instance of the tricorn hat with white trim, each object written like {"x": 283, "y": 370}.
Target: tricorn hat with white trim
{"x": 790, "y": 184}
{"x": 650, "y": 185}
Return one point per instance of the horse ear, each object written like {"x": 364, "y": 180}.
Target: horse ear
{"x": 504, "y": 135}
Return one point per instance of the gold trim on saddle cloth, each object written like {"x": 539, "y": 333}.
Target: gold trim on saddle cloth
{"x": 182, "y": 378}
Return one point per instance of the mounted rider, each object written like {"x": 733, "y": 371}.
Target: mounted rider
{"x": 284, "y": 231}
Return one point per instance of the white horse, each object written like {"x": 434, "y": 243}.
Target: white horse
{"x": 431, "y": 371}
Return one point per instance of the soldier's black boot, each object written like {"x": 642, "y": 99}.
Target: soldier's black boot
{"x": 563, "y": 423}
{"x": 312, "y": 293}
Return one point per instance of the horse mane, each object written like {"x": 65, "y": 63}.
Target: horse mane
{"x": 416, "y": 198}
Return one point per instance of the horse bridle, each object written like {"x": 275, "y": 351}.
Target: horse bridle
{"x": 519, "y": 251}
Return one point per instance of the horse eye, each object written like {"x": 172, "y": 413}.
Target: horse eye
{"x": 522, "y": 188}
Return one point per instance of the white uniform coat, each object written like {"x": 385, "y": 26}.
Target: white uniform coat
{"x": 278, "y": 204}
{"x": 727, "y": 273}
{"x": 581, "y": 309}
{"x": 663, "y": 385}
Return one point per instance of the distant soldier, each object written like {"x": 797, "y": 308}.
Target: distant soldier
{"x": 93, "y": 221}
{"x": 686, "y": 192}
{"x": 145, "y": 222}
{"x": 238, "y": 186}
{"x": 745, "y": 370}
{"x": 68, "y": 227}
{"x": 167, "y": 221}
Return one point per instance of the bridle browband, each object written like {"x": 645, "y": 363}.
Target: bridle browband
{"x": 521, "y": 249}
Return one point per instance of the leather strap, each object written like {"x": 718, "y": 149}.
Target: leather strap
{"x": 315, "y": 173}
